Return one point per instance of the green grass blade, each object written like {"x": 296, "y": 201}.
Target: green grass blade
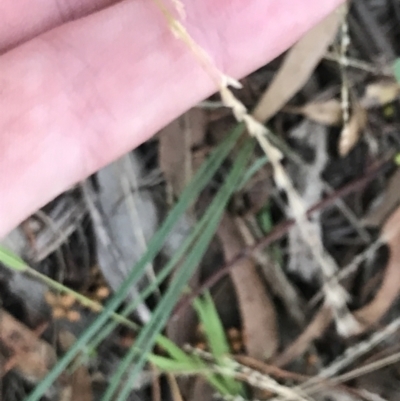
{"x": 195, "y": 367}
{"x": 164, "y": 273}
{"x": 161, "y": 276}
{"x": 212, "y": 325}
{"x": 201, "y": 179}
{"x": 216, "y": 338}
{"x": 11, "y": 261}
{"x": 253, "y": 169}
{"x": 147, "y": 336}
{"x": 172, "y": 366}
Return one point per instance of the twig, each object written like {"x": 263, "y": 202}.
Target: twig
{"x": 352, "y": 353}
{"x": 371, "y": 367}
{"x": 359, "y": 64}
{"x": 314, "y": 384}
{"x": 345, "y": 96}
{"x": 349, "y": 215}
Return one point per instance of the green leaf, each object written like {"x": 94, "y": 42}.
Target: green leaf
{"x": 173, "y": 350}
{"x": 149, "y": 333}
{"x": 216, "y": 338}
{"x": 12, "y": 261}
{"x": 252, "y": 170}
{"x": 172, "y": 366}
{"x": 213, "y": 328}
{"x": 194, "y": 366}
{"x": 224, "y": 147}
{"x": 265, "y": 219}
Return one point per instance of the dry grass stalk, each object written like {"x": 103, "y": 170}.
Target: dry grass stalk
{"x": 318, "y": 382}
{"x": 360, "y": 349}
{"x": 351, "y": 127}
{"x": 253, "y": 377}
{"x": 335, "y": 295}
{"x": 344, "y": 45}
{"x": 350, "y": 356}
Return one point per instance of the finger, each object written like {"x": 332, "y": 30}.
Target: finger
{"x": 24, "y": 19}
{"x": 78, "y": 97}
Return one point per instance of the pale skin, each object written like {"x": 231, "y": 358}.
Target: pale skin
{"x": 84, "y": 81}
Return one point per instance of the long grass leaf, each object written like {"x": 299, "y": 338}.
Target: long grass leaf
{"x": 12, "y": 261}
{"x": 216, "y": 338}
{"x": 212, "y": 325}
{"x": 147, "y": 336}
{"x": 203, "y": 176}
{"x": 161, "y": 276}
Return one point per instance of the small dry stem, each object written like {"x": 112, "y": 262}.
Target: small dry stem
{"x": 335, "y": 295}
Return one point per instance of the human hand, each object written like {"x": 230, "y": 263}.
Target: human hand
{"x": 84, "y": 81}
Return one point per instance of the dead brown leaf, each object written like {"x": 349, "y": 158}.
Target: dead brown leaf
{"x": 391, "y": 198}
{"x": 328, "y": 112}
{"x": 367, "y": 315}
{"x": 390, "y": 287}
{"x": 175, "y": 151}
{"x": 297, "y": 67}
{"x": 272, "y": 272}
{"x": 256, "y": 308}
{"x": 380, "y": 93}
{"x": 30, "y": 356}
{"x": 351, "y": 132}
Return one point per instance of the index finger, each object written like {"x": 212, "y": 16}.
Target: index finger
{"x": 78, "y": 97}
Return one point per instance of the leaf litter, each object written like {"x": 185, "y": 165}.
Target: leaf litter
{"x": 267, "y": 299}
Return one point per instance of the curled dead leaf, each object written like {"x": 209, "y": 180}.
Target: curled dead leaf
{"x": 390, "y": 287}
{"x": 352, "y": 130}
{"x": 297, "y": 67}
{"x": 388, "y": 203}
{"x": 256, "y": 307}
{"x": 325, "y": 113}
{"x": 380, "y": 93}
{"x": 367, "y": 315}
